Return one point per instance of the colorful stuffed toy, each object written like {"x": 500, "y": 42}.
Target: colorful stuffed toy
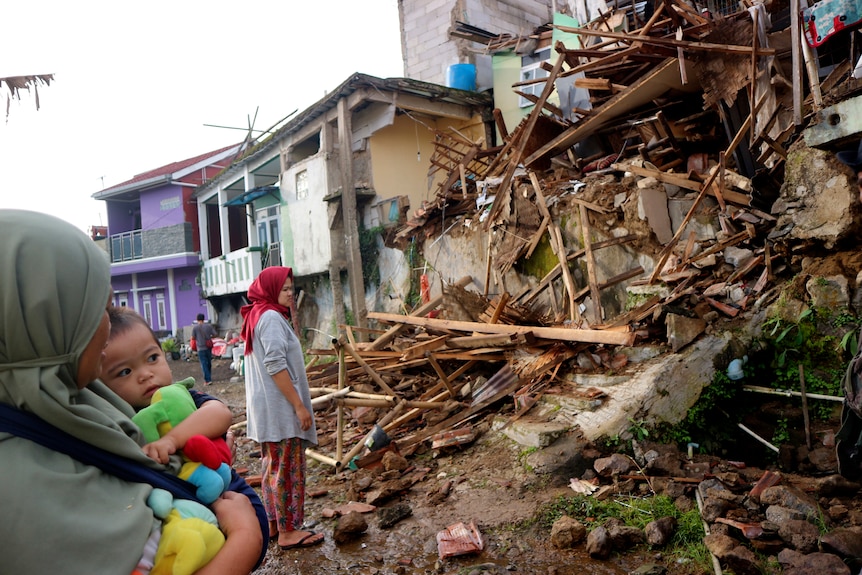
{"x": 190, "y": 534}
{"x": 206, "y": 461}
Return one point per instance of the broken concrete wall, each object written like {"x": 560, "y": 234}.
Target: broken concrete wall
{"x": 818, "y": 202}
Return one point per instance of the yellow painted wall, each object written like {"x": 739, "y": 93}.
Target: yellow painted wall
{"x": 397, "y": 171}
{"x": 507, "y": 71}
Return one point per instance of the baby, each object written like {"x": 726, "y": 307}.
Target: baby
{"x": 135, "y": 368}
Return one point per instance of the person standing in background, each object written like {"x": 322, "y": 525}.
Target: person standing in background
{"x": 278, "y": 404}
{"x": 203, "y": 333}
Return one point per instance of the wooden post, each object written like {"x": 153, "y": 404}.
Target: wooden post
{"x": 339, "y": 426}
{"x": 796, "y": 60}
{"x": 595, "y": 293}
{"x": 349, "y": 216}
{"x": 804, "y": 407}
{"x": 368, "y": 369}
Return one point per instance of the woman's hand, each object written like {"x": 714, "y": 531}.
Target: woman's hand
{"x": 235, "y": 513}
{"x": 304, "y": 416}
{"x": 244, "y": 540}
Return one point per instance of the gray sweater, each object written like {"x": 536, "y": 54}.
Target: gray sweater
{"x": 271, "y": 418}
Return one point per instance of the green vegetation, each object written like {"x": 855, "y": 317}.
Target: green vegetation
{"x": 809, "y": 343}
{"x": 686, "y": 544}
{"x": 170, "y": 345}
{"x": 541, "y": 262}
{"x": 522, "y": 457}
{"x": 706, "y": 422}
{"x": 369, "y": 251}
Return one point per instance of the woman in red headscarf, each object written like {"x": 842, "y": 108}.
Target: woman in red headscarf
{"x": 278, "y": 403}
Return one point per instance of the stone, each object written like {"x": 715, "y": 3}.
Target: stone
{"x": 799, "y": 534}
{"x": 349, "y": 527}
{"x": 389, "y": 516}
{"x": 599, "y": 543}
{"x": 791, "y": 498}
{"x": 682, "y": 330}
{"x": 832, "y": 292}
{"x": 835, "y": 484}
{"x": 616, "y": 464}
{"x": 846, "y": 542}
{"x": 567, "y": 532}
{"x": 392, "y": 461}
{"x": 622, "y": 536}
{"x": 817, "y": 564}
{"x": 736, "y": 256}
{"x": 660, "y": 531}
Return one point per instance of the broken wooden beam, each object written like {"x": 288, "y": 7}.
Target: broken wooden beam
{"x": 561, "y": 334}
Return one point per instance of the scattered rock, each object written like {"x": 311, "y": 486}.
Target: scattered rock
{"x": 349, "y": 527}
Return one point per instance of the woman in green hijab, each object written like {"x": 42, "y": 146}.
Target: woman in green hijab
{"x": 61, "y": 515}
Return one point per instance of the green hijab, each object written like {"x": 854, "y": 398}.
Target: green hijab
{"x": 59, "y": 515}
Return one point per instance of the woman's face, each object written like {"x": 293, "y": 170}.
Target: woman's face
{"x": 90, "y": 362}
{"x": 285, "y": 296}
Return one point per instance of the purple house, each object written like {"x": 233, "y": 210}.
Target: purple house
{"x": 154, "y": 242}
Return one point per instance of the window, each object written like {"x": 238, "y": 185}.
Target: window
{"x": 531, "y": 69}
{"x": 269, "y": 235}
{"x": 123, "y": 300}
{"x": 302, "y": 185}
{"x": 148, "y": 311}
{"x": 160, "y": 306}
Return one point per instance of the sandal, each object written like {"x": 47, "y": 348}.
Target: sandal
{"x": 307, "y": 541}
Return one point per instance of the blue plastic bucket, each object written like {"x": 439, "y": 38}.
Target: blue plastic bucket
{"x": 461, "y": 76}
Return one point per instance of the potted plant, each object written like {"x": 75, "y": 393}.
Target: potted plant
{"x": 171, "y": 347}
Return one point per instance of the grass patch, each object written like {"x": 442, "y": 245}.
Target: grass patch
{"x": 686, "y": 545}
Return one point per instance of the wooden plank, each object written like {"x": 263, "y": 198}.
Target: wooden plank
{"x": 557, "y": 247}
{"x": 595, "y": 294}
{"x": 617, "y": 105}
{"x": 491, "y": 340}
{"x": 368, "y": 369}
{"x": 688, "y": 45}
{"x": 561, "y": 334}
{"x": 503, "y": 191}
{"x": 420, "y": 349}
{"x": 393, "y": 332}
{"x": 441, "y": 374}
{"x": 669, "y": 247}
{"x": 537, "y": 237}
{"x": 557, "y": 270}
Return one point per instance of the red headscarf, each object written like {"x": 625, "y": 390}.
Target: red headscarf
{"x": 263, "y": 295}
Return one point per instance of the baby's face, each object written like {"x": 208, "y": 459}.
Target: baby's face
{"x": 135, "y": 366}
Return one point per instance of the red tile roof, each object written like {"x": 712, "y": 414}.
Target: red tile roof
{"x": 168, "y": 168}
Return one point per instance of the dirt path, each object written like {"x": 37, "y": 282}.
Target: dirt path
{"x": 488, "y": 482}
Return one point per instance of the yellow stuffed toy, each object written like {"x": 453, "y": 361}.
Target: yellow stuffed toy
{"x": 190, "y": 535}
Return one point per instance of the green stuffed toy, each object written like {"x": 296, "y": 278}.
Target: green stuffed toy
{"x": 205, "y": 461}
{"x": 190, "y": 534}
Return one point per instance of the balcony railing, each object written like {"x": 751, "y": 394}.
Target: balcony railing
{"x": 127, "y": 246}
{"x": 232, "y": 273}
{"x": 273, "y": 255}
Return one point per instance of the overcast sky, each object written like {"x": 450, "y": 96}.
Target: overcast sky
{"x": 135, "y": 84}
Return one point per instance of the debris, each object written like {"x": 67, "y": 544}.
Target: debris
{"x": 459, "y": 539}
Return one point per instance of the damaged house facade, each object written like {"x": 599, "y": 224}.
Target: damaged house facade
{"x": 635, "y": 182}
{"x": 356, "y": 160}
